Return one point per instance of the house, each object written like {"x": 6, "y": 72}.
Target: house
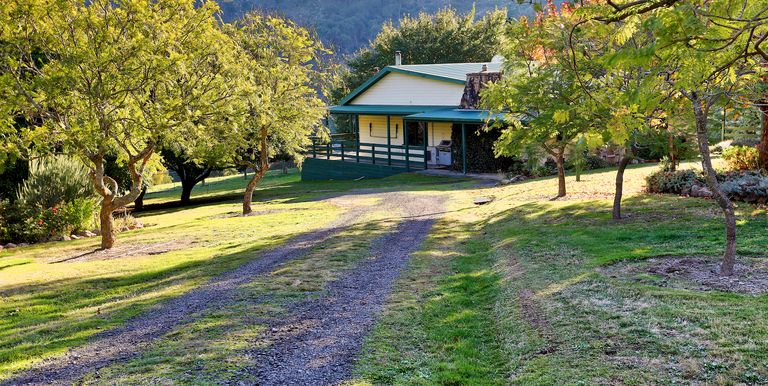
{"x": 406, "y": 117}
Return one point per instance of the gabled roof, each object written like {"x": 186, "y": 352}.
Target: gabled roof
{"x": 449, "y": 72}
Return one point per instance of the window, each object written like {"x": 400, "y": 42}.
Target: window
{"x": 416, "y": 133}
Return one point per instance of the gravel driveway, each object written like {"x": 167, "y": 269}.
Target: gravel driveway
{"x": 325, "y": 334}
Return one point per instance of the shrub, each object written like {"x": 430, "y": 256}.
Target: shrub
{"x": 742, "y": 157}
{"x": 80, "y": 214}
{"x": 750, "y": 142}
{"x": 593, "y": 162}
{"x": 54, "y": 181}
{"x": 665, "y": 181}
{"x": 12, "y": 174}
{"x": 29, "y": 224}
{"x": 740, "y": 186}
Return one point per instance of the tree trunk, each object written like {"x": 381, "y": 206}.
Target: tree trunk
{"x": 188, "y": 182}
{"x": 186, "y": 190}
{"x": 620, "y": 186}
{"x": 673, "y": 154}
{"x": 578, "y": 171}
{"x": 259, "y": 172}
{"x": 108, "y": 231}
{"x": 560, "y": 175}
{"x": 139, "y": 203}
{"x": 111, "y": 201}
{"x": 729, "y": 257}
{"x": 763, "y": 147}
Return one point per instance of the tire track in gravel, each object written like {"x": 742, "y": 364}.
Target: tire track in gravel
{"x": 125, "y": 342}
{"x": 317, "y": 342}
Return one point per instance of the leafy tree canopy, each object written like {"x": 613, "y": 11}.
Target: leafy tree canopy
{"x": 283, "y": 67}
{"x": 112, "y": 77}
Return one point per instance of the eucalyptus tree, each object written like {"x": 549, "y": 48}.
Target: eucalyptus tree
{"x": 282, "y": 69}
{"x": 702, "y": 53}
{"x": 104, "y": 76}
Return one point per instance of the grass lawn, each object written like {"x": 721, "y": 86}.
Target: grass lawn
{"x": 56, "y": 295}
{"x": 217, "y": 186}
{"x": 521, "y": 291}
{"x": 525, "y": 291}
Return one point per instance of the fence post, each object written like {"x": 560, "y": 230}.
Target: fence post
{"x": 407, "y": 158}
{"x": 464, "y": 148}
{"x": 722, "y": 129}
{"x": 426, "y": 142}
{"x": 389, "y": 144}
{"x": 342, "y": 150}
{"x": 373, "y": 154}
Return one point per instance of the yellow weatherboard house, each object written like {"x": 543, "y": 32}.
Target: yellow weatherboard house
{"x": 406, "y": 117}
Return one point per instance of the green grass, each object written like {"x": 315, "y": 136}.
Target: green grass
{"x": 218, "y": 186}
{"x": 62, "y": 301}
{"x": 521, "y": 291}
{"x": 555, "y": 292}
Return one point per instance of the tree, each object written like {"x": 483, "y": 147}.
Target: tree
{"x": 282, "y": 64}
{"x": 442, "y": 37}
{"x": 703, "y": 53}
{"x": 104, "y": 76}
{"x": 543, "y": 101}
{"x": 189, "y": 171}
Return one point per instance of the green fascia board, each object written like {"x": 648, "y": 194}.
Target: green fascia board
{"x": 383, "y": 109}
{"x": 455, "y": 73}
{"x": 455, "y": 115}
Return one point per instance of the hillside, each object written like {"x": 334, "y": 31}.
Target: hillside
{"x": 351, "y": 24}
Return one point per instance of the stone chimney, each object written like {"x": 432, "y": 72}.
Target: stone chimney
{"x": 477, "y": 81}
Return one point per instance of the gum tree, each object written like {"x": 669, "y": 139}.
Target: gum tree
{"x": 104, "y": 76}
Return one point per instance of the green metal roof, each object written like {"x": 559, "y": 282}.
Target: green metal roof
{"x": 419, "y": 113}
{"x": 453, "y": 115}
{"x": 382, "y": 109}
{"x": 449, "y": 72}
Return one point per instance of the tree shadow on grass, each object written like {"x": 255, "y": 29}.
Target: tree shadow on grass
{"x": 134, "y": 303}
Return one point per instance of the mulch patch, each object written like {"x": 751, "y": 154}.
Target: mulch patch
{"x": 700, "y": 273}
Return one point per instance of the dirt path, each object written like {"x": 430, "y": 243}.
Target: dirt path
{"x": 316, "y": 344}
{"x": 330, "y": 329}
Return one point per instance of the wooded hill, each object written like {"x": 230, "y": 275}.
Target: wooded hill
{"x": 351, "y": 24}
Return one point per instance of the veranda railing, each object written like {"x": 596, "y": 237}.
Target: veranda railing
{"x": 373, "y": 153}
